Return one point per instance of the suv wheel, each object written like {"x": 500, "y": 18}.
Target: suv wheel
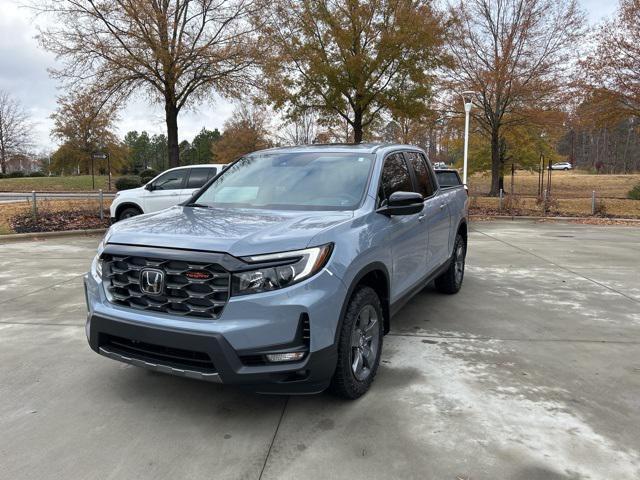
{"x": 359, "y": 345}
{"x": 451, "y": 280}
{"x": 128, "y": 213}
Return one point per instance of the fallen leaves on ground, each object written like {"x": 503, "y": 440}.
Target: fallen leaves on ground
{"x": 48, "y": 221}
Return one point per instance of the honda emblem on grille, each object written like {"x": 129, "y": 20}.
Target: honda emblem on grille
{"x": 151, "y": 281}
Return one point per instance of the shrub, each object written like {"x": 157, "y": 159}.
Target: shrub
{"x": 127, "y": 182}
{"x": 634, "y": 193}
{"x": 16, "y": 174}
{"x": 37, "y": 174}
{"x": 148, "y": 174}
{"x": 2, "y": 175}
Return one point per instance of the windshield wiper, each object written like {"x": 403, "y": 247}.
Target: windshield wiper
{"x": 196, "y": 205}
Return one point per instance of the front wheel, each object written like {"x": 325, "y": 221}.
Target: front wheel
{"x": 128, "y": 213}
{"x": 359, "y": 345}
{"x": 451, "y": 280}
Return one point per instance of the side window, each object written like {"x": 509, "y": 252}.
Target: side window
{"x": 199, "y": 176}
{"x": 425, "y": 184}
{"x": 448, "y": 179}
{"x": 171, "y": 180}
{"x": 395, "y": 176}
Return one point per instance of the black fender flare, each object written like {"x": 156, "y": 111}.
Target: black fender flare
{"x": 372, "y": 267}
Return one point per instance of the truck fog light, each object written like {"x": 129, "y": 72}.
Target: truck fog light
{"x": 285, "y": 357}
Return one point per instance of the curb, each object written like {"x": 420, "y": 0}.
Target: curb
{"x": 523, "y": 217}
{"x": 14, "y": 237}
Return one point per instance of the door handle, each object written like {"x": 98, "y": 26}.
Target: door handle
{"x": 442, "y": 206}
{"x": 421, "y": 217}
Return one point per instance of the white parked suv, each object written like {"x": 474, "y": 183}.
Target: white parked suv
{"x": 561, "y": 166}
{"x": 166, "y": 190}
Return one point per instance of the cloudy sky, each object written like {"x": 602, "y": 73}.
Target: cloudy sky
{"x": 23, "y": 73}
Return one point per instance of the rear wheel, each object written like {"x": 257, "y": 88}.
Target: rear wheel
{"x": 451, "y": 280}
{"x": 129, "y": 212}
{"x": 359, "y": 345}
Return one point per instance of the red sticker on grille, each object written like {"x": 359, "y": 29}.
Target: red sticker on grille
{"x": 198, "y": 275}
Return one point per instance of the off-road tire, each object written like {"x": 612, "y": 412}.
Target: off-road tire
{"x": 449, "y": 282}
{"x": 344, "y": 382}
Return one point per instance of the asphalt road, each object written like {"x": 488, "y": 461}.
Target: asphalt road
{"x": 531, "y": 372}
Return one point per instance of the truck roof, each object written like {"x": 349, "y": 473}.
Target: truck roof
{"x": 340, "y": 147}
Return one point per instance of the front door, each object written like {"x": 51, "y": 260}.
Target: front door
{"x": 166, "y": 191}
{"x": 407, "y": 234}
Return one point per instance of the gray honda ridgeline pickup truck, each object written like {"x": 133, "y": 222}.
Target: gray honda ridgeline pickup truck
{"x": 283, "y": 273}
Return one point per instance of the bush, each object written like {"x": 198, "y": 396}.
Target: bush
{"x": 125, "y": 183}
{"x": 17, "y": 174}
{"x": 148, "y": 174}
{"x": 634, "y": 193}
{"x": 37, "y": 174}
{"x": 2, "y": 175}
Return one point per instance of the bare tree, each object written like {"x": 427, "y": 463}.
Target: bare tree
{"x": 613, "y": 67}
{"x": 15, "y": 129}
{"x": 517, "y": 56}
{"x": 178, "y": 51}
{"x": 300, "y": 130}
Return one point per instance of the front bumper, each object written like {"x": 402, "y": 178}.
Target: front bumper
{"x": 311, "y": 375}
{"x": 248, "y": 327}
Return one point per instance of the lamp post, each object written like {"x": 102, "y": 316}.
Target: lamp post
{"x": 467, "y": 98}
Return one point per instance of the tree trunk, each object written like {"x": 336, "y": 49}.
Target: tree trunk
{"x": 357, "y": 126}
{"x": 172, "y": 134}
{"x": 496, "y": 167}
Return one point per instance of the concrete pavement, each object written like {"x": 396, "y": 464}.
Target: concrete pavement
{"x": 531, "y": 372}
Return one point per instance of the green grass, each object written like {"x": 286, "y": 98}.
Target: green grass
{"x": 54, "y": 184}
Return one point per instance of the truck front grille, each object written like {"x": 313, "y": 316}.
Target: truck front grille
{"x": 189, "y": 289}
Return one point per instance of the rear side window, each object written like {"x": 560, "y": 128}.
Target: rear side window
{"x": 199, "y": 176}
{"x": 171, "y": 180}
{"x": 395, "y": 176}
{"x": 425, "y": 184}
{"x": 448, "y": 179}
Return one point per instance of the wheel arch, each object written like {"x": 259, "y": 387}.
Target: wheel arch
{"x": 463, "y": 230}
{"x": 127, "y": 204}
{"x": 376, "y": 276}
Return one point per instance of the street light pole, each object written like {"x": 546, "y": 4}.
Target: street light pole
{"x": 467, "y": 97}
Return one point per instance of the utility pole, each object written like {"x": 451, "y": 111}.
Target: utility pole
{"x": 467, "y": 97}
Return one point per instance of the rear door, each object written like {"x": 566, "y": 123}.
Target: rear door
{"x": 435, "y": 209}
{"x": 166, "y": 192}
{"x": 198, "y": 176}
{"x": 407, "y": 236}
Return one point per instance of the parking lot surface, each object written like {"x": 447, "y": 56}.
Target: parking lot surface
{"x": 531, "y": 372}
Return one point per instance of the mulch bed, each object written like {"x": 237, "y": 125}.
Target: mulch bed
{"x": 57, "y": 221}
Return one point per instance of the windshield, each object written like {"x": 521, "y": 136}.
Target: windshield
{"x": 310, "y": 181}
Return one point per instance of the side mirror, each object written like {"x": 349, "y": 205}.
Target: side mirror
{"x": 149, "y": 186}
{"x": 403, "y": 203}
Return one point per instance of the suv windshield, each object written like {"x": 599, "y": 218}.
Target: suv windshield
{"x": 315, "y": 181}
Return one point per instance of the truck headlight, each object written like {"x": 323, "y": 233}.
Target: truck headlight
{"x": 98, "y": 261}
{"x": 289, "y": 268}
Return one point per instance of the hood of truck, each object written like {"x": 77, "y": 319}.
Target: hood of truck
{"x": 239, "y": 232}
